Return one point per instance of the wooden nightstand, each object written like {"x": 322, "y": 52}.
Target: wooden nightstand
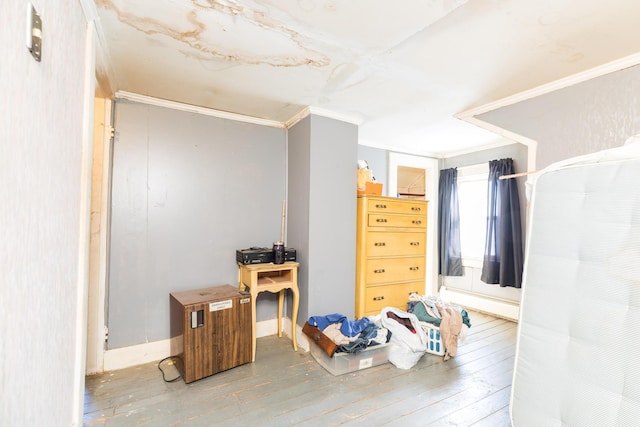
{"x": 274, "y": 278}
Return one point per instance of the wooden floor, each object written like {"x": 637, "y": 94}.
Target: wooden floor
{"x": 287, "y": 388}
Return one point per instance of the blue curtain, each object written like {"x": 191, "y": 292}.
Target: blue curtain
{"x": 450, "y": 259}
{"x": 503, "y": 260}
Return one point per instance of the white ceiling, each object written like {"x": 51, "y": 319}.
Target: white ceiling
{"x": 400, "y": 69}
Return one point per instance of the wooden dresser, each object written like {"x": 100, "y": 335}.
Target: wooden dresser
{"x": 390, "y": 253}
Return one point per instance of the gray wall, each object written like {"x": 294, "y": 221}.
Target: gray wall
{"x": 322, "y": 193}
{"x": 378, "y": 160}
{"x": 470, "y": 281}
{"x": 43, "y": 221}
{"x": 187, "y": 191}
{"x": 298, "y": 160}
{"x": 584, "y": 118}
{"x": 518, "y": 152}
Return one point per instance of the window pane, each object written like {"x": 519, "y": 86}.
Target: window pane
{"x": 472, "y": 196}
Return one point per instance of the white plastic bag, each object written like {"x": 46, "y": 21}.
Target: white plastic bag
{"x": 407, "y": 346}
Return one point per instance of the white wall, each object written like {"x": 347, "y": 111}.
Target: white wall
{"x": 42, "y": 223}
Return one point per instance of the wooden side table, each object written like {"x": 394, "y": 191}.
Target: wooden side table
{"x": 274, "y": 278}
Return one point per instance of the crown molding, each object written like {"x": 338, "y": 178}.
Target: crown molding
{"x": 159, "y": 102}
{"x": 391, "y": 149}
{"x": 349, "y": 118}
{"x": 610, "y": 67}
{"x": 306, "y": 111}
{"x": 316, "y": 111}
{"x": 297, "y": 117}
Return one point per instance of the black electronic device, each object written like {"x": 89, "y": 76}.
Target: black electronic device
{"x": 254, "y": 255}
{"x": 289, "y": 254}
{"x": 257, "y": 255}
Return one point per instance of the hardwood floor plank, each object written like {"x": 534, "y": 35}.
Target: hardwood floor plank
{"x": 476, "y": 411}
{"x": 398, "y": 382}
{"x": 435, "y": 394}
{"x": 287, "y": 388}
{"x": 500, "y": 418}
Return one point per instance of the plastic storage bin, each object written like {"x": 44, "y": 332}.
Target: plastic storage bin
{"x": 342, "y": 363}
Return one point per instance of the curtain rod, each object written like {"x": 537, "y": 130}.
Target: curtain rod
{"x": 516, "y": 175}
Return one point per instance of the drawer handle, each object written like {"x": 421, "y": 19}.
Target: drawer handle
{"x": 381, "y": 220}
{"x": 416, "y": 208}
{"x": 416, "y": 268}
{"x": 378, "y": 298}
{"x": 416, "y": 221}
{"x": 381, "y": 206}
{"x": 415, "y": 243}
{"x": 381, "y": 270}
{"x": 379, "y": 244}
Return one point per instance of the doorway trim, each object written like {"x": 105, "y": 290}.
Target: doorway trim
{"x": 96, "y": 313}
{"x": 431, "y": 167}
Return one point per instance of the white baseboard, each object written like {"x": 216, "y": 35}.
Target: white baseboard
{"x": 125, "y": 357}
{"x": 501, "y": 308}
{"x": 301, "y": 338}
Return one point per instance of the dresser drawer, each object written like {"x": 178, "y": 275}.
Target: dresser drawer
{"x": 393, "y": 244}
{"x": 386, "y": 270}
{"x": 396, "y": 220}
{"x": 396, "y": 295}
{"x": 399, "y": 206}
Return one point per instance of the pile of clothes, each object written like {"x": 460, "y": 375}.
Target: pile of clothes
{"x": 406, "y": 331}
{"x": 351, "y": 336}
{"x": 408, "y": 339}
{"x": 449, "y": 318}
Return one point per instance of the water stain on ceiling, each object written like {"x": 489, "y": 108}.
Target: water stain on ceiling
{"x": 207, "y": 28}
{"x": 401, "y": 70}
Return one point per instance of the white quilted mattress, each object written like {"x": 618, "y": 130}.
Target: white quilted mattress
{"x": 578, "y": 352}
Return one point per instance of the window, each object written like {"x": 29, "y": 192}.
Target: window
{"x": 472, "y": 199}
